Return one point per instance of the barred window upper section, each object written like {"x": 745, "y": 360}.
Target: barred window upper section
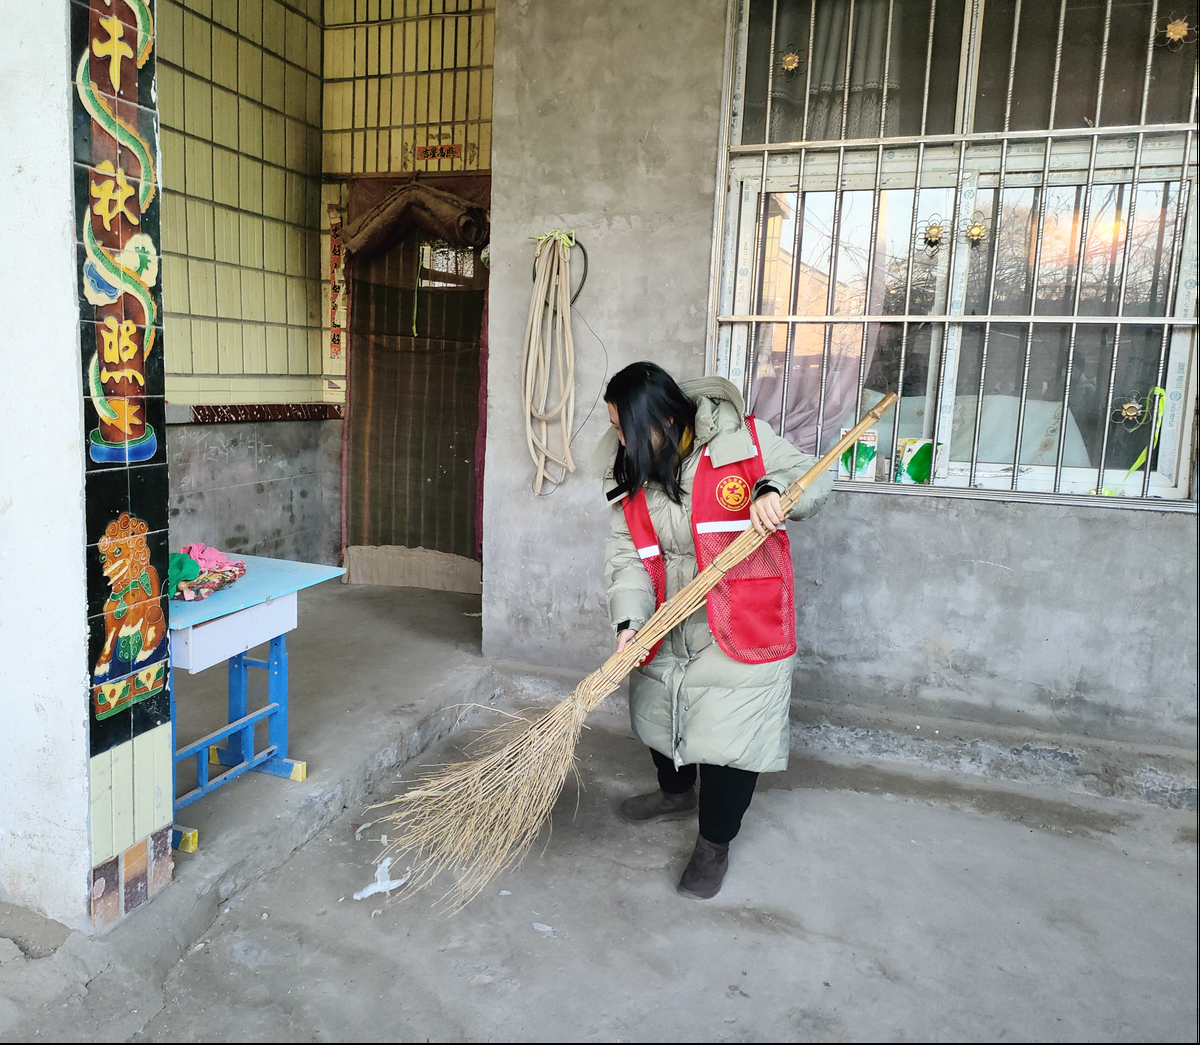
{"x": 989, "y": 208}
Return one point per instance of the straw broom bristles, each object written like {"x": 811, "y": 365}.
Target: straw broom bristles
{"x": 481, "y": 816}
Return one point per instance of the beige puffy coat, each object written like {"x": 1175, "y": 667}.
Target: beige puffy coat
{"x": 693, "y": 702}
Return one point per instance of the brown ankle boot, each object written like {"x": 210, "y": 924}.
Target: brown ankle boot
{"x": 658, "y": 805}
{"x": 704, "y": 873}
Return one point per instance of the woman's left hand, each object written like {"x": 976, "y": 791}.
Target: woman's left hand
{"x": 766, "y": 514}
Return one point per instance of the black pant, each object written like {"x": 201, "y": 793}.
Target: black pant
{"x": 725, "y": 794}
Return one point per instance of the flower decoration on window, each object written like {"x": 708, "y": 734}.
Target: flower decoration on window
{"x": 791, "y": 62}
{"x": 1132, "y": 413}
{"x": 1174, "y": 31}
{"x": 933, "y": 234}
{"x": 975, "y": 229}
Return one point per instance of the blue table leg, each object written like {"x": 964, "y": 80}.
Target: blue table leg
{"x": 238, "y": 755}
{"x": 277, "y": 724}
{"x": 186, "y": 839}
{"x": 240, "y": 744}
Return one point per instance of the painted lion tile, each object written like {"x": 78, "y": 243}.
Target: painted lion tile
{"x": 132, "y": 663}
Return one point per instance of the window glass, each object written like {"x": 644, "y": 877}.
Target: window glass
{"x": 1021, "y": 285}
{"x": 813, "y": 96}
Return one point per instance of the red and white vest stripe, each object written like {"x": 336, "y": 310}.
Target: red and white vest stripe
{"x": 751, "y": 610}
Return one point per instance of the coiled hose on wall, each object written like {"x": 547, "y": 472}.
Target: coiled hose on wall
{"x": 549, "y": 360}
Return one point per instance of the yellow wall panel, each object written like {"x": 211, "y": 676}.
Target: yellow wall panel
{"x": 204, "y": 346}
{"x": 175, "y": 283}
{"x": 197, "y": 45}
{"x": 225, "y": 177}
{"x": 102, "y": 815}
{"x": 174, "y": 223}
{"x": 254, "y": 342}
{"x": 250, "y": 15}
{"x": 229, "y": 293}
{"x": 168, "y": 35}
{"x": 277, "y": 357}
{"x": 295, "y": 92}
{"x": 312, "y": 58}
{"x": 249, "y": 70}
{"x": 177, "y": 346}
{"x": 197, "y": 162}
{"x": 143, "y": 785}
{"x": 296, "y": 43}
{"x": 225, "y": 118}
{"x": 236, "y": 77}
{"x": 274, "y": 138}
{"x": 224, "y": 58}
{"x": 225, "y": 12}
{"x": 297, "y": 350}
{"x": 199, "y": 229}
{"x": 197, "y": 107}
{"x": 164, "y": 776}
{"x": 274, "y": 31}
{"x": 229, "y": 348}
{"x": 276, "y": 291}
{"x": 274, "y": 84}
{"x": 226, "y": 236}
{"x": 170, "y": 97}
{"x": 273, "y": 198}
{"x": 253, "y": 302}
{"x": 202, "y": 289}
{"x": 122, "y": 797}
{"x": 250, "y": 184}
{"x": 252, "y": 240}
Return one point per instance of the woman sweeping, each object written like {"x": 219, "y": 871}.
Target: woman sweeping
{"x": 688, "y": 474}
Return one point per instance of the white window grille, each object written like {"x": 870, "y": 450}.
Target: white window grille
{"x": 989, "y": 206}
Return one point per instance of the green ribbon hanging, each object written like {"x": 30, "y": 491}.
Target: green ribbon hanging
{"x": 1158, "y": 395}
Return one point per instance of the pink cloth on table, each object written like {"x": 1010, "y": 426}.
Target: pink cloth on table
{"x": 208, "y": 558}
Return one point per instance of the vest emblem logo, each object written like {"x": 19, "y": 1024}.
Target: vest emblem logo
{"x": 733, "y": 493}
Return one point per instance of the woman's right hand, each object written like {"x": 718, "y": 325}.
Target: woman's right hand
{"x": 623, "y": 640}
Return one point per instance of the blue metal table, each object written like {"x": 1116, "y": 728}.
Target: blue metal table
{"x": 259, "y": 607}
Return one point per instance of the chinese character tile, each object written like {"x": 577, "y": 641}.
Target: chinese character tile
{"x": 112, "y": 197}
{"x": 114, "y": 47}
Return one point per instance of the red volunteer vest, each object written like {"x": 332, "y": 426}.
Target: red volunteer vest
{"x": 751, "y": 610}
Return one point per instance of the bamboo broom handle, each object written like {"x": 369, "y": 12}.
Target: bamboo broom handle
{"x": 684, "y": 603}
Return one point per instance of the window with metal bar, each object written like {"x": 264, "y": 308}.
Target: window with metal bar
{"x": 987, "y": 207}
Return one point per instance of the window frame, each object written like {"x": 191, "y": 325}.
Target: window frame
{"x": 735, "y": 277}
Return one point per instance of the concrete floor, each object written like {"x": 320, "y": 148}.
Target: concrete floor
{"x": 865, "y": 901}
{"x": 860, "y": 905}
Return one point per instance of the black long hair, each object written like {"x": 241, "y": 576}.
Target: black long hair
{"x": 648, "y": 401}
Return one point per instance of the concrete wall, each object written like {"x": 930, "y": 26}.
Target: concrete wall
{"x": 1065, "y": 619}
{"x": 258, "y": 488}
{"x": 1035, "y": 616}
{"x": 605, "y": 122}
{"x": 44, "y": 852}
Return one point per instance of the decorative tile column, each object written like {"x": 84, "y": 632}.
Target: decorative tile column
{"x": 117, "y": 191}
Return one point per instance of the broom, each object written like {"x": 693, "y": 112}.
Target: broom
{"x": 480, "y": 817}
